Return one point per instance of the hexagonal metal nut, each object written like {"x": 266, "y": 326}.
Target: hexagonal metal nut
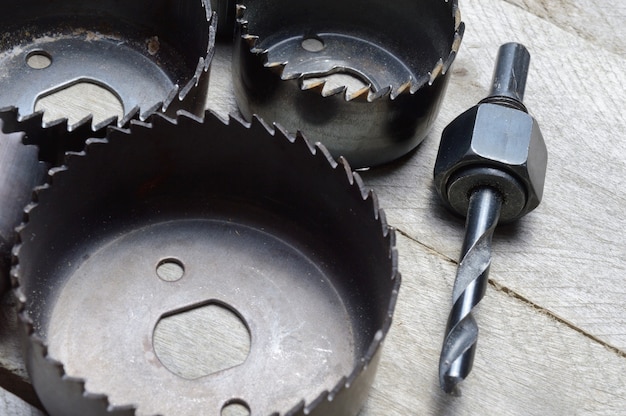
{"x": 493, "y": 138}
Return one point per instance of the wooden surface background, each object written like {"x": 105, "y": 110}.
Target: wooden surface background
{"x": 553, "y": 322}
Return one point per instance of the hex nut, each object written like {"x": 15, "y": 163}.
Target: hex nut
{"x": 487, "y": 138}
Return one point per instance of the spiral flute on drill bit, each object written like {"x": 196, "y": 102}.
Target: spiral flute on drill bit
{"x": 491, "y": 169}
{"x": 469, "y": 287}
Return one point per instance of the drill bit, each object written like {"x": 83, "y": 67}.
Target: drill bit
{"x": 484, "y": 199}
{"x": 457, "y": 354}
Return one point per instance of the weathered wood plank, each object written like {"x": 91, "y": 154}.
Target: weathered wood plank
{"x": 567, "y": 256}
{"x": 553, "y": 324}
{"x": 526, "y": 362}
{"x": 11, "y": 405}
{"x": 221, "y": 97}
{"x": 599, "y": 22}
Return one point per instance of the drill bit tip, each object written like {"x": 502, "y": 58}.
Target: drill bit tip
{"x": 449, "y": 384}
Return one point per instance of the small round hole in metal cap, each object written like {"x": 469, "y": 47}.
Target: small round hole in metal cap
{"x": 235, "y": 407}
{"x": 201, "y": 340}
{"x": 170, "y": 269}
{"x": 38, "y": 60}
{"x": 313, "y": 44}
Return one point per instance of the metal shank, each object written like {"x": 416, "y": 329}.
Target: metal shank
{"x": 490, "y": 167}
{"x": 509, "y": 76}
{"x": 457, "y": 354}
{"x": 510, "y": 73}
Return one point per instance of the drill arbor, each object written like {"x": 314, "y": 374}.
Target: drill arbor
{"x": 490, "y": 168}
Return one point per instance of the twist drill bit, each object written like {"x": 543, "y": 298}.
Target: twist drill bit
{"x": 491, "y": 168}
{"x": 457, "y": 354}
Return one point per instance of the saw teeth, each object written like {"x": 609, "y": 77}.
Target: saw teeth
{"x": 259, "y": 126}
{"x": 406, "y": 87}
{"x": 409, "y": 86}
{"x": 395, "y": 77}
{"x": 56, "y": 137}
{"x": 382, "y": 94}
{"x": 322, "y": 152}
{"x": 360, "y": 95}
{"x": 187, "y": 120}
{"x": 436, "y": 71}
{"x": 239, "y": 12}
{"x": 276, "y": 67}
{"x": 317, "y": 86}
{"x": 347, "y": 170}
{"x": 341, "y": 90}
{"x": 302, "y": 160}
{"x": 301, "y": 139}
{"x": 133, "y": 114}
{"x": 251, "y": 41}
{"x": 87, "y": 119}
{"x": 22, "y": 91}
{"x": 325, "y": 396}
{"x": 379, "y": 214}
{"x": 366, "y": 193}
{"x": 278, "y": 131}
{"x": 111, "y": 121}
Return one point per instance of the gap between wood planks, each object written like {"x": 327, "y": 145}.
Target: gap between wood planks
{"x": 513, "y": 294}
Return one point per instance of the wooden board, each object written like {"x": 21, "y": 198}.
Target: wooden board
{"x": 11, "y": 405}
{"x": 566, "y": 256}
{"x": 527, "y": 363}
{"x": 553, "y": 323}
{"x": 599, "y": 23}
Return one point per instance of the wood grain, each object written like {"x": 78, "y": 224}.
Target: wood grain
{"x": 566, "y": 256}
{"x": 553, "y": 323}
{"x": 526, "y": 363}
{"x": 11, "y": 405}
{"x": 598, "y": 22}
{"x": 79, "y": 101}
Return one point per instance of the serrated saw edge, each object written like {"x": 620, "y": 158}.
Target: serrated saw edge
{"x": 341, "y": 167}
{"x": 409, "y": 86}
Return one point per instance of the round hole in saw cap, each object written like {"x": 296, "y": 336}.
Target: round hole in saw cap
{"x": 269, "y": 225}
{"x": 38, "y": 59}
{"x": 401, "y": 50}
{"x": 150, "y": 62}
